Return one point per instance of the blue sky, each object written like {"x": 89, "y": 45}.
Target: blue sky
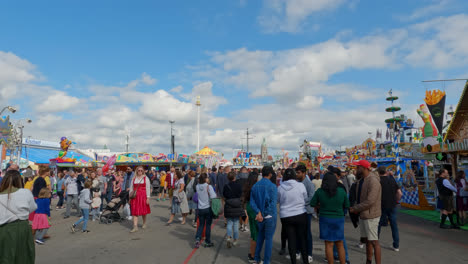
{"x": 287, "y": 69}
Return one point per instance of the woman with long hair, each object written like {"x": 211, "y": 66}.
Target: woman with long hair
{"x": 251, "y": 180}
{"x": 205, "y": 193}
{"x": 140, "y": 197}
{"x": 462, "y": 197}
{"x": 16, "y": 236}
{"x": 179, "y": 199}
{"x": 331, "y": 200}
{"x": 292, "y": 197}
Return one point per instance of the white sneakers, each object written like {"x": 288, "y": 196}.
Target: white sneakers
{"x": 311, "y": 259}
{"x": 396, "y": 249}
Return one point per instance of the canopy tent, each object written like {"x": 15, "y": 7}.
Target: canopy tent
{"x": 43, "y": 156}
{"x": 206, "y": 151}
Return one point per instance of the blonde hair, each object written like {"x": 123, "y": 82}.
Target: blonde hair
{"x": 44, "y": 193}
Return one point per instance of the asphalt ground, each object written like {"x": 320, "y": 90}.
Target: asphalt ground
{"x": 421, "y": 241}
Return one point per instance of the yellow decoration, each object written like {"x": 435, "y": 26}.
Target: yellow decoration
{"x": 433, "y": 97}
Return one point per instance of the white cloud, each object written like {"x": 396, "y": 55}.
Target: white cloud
{"x": 444, "y": 48}
{"x": 58, "y": 102}
{"x": 437, "y": 6}
{"x": 15, "y": 74}
{"x": 309, "y": 102}
{"x": 177, "y": 89}
{"x": 162, "y": 106}
{"x": 289, "y": 15}
{"x": 209, "y": 101}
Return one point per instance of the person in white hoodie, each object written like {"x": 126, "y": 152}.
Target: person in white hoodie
{"x": 292, "y": 197}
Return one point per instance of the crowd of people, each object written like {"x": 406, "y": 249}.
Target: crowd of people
{"x": 247, "y": 201}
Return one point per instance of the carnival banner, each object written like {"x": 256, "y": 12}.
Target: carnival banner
{"x": 435, "y": 101}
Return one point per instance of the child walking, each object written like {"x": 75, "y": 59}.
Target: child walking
{"x": 85, "y": 202}
{"x": 40, "y": 223}
{"x": 95, "y": 205}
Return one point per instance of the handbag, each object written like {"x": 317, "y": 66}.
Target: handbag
{"x": 215, "y": 204}
{"x": 134, "y": 192}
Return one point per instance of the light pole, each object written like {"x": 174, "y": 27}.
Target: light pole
{"x": 20, "y": 126}
{"x": 172, "y": 139}
{"x": 10, "y": 108}
{"x": 198, "y": 104}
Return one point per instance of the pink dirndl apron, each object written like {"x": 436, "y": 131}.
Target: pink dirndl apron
{"x": 138, "y": 205}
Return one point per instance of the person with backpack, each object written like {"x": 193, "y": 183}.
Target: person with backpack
{"x": 232, "y": 208}
{"x": 205, "y": 193}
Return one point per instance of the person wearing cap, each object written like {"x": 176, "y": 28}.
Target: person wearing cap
{"x": 369, "y": 195}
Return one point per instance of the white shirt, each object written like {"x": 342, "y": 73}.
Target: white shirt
{"x": 72, "y": 186}
{"x": 21, "y": 203}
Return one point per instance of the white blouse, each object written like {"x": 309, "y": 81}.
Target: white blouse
{"x": 20, "y": 205}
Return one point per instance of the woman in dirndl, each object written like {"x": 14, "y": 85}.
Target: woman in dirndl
{"x": 16, "y": 203}
{"x": 139, "y": 203}
{"x": 179, "y": 200}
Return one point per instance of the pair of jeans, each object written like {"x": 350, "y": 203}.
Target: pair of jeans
{"x": 109, "y": 194}
{"x": 389, "y": 214}
{"x": 335, "y": 250}
{"x": 103, "y": 196}
{"x": 266, "y": 230}
{"x": 296, "y": 230}
{"x": 205, "y": 218}
{"x": 83, "y": 219}
{"x": 60, "y": 196}
{"x": 72, "y": 198}
{"x": 233, "y": 227}
{"x": 95, "y": 213}
{"x": 40, "y": 233}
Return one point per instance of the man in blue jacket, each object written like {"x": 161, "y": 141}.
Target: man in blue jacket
{"x": 263, "y": 200}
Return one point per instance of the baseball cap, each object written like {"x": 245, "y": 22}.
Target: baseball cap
{"x": 362, "y": 163}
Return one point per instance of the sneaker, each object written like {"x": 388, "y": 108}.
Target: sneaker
{"x": 235, "y": 243}
{"x": 241, "y": 227}
{"x": 208, "y": 245}
{"x": 250, "y": 258}
{"x": 255, "y": 262}
{"x": 444, "y": 227}
{"x": 144, "y": 226}
{"x": 454, "y": 227}
{"x": 311, "y": 259}
{"x": 135, "y": 229}
{"x": 396, "y": 249}
{"x": 197, "y": 244}
{"x": 65, "y": 217}
{"x": 245, "y": 229}
{"x": 85, "y": 231}
{"x": 361, "y": 245}
{"x": 158, "y": 200}
{"x": 73, "y": 228}
{"x": 229, "y": 243}
{"x": 40, "y": 241}
{"x": 180, "y": 219}
{"x": 282, "y": 252}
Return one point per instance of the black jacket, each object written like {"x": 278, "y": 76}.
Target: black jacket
{"x": 233, "y": 205}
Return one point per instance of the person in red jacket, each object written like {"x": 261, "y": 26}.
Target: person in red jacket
{"x": 170, "y": 181}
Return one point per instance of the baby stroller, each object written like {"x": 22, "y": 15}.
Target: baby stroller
{"x": 110, "y": 213}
